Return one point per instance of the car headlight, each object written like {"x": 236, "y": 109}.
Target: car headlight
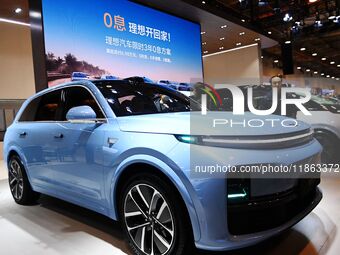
{"x": 187, "y": 139}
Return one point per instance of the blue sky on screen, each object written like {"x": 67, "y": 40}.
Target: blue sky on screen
{"x": 78, "y": 27}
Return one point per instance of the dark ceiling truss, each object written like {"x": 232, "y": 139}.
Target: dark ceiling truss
{"x": 311, "y": 25}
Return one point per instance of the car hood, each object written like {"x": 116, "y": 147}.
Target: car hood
{"x": 193, "y": 123}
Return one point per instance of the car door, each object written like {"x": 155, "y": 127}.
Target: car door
{"x": 37, "y": 126}
{"x": 79, "y": 173}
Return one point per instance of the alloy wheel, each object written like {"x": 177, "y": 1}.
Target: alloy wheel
{"x": 16, "y": 181}
{"x": 149, "y": 220}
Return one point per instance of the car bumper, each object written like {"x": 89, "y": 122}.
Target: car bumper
{"x": 209, "y": 209}
{"x": 241, "y": 241}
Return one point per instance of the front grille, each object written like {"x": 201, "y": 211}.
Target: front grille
{"x": 257, "y": 214}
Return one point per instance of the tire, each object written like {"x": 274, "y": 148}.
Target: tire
{"x": 18, "y": 182}
{"x": 330, "y": 147}
{"x": 165, "y": 225}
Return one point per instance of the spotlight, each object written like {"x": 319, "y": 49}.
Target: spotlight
{"x": 302, "y": 49}
{"x": 298, "y": 68}
{"x": 238, "y": 44}
{"x": 307, "y": 70}
{"x": 323, "y": 59}
{"x": 18, "y": 10}
{"x": 332, "y": 62}
{"x": 224, "y": 26}
{"x": 276, "y": 61}
{"x": 314, "y": 54}
{"x": 288, "y": 42}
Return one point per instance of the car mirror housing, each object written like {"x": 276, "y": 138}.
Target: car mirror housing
{"x": 81, "y": 113}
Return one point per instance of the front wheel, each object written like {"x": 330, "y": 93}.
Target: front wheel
{"x": 19, "y": 184}
{"x": 152, "y": 222}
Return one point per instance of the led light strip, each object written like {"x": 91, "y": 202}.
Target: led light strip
{"x": 226, "y": 141}
{"x": 14, "y": 22}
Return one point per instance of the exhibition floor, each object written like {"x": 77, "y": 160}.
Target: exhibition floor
{"x": 57, "y": 227}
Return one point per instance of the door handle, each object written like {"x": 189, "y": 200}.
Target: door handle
{"x": 59, "y": 136}
{"x": 22, "y": 134}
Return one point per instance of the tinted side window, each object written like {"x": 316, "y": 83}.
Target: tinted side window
{"x": 31, "y": 110}
{"x": 49, "y": 106}
{"x": 79, "y": 96}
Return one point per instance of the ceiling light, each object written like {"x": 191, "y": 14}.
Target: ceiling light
{"x": 205, "y": 52}
{"x": 337, "y": 79}
{"x": 315, "y": 72}
{"x": 221, "y": 48}
{"x": 328, "y": 76}
{"x": 322, "y": 74}
{"x": 314, "y": 54}
{"x": 302, "y": 49}
{"x": 202, "y": 33}
{"x": 298, "y": 68}
{"x": 243, "y": 20}
{"x": 288, "y": 42}
{"x": 312, "y": 1}
{"x": 333, "y": 77}
{"x": 318, "y": 23}
{"x": 257, "y": 39}
{"x": 203, "y": 2}
{"x": 269, "y": 32}
{"x": 238, "y": 44}
{"x": 242, "y": 33}
{"x": 338, "y": 65}
{"x": 262, "y": 57}
{"x": 276, "y": 61}
{"x": 204, "y": 43}
{"x": 224, "y": 26}
{"x": 287, "y": 17}
{"x": 307, "y": 70}
{"x": 332, "y": 17}
{"x": 332, "y": 62}
{"x": 222, "y": 38}
{"x": 18, "y": 10}
{"x": 323, "y": 59}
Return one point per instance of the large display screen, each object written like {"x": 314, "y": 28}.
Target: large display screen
{"x": 89, "y": 39}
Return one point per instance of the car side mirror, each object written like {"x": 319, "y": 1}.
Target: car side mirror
{"x": 81, "y": 114}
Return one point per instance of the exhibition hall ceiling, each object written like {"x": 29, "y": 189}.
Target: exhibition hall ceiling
{"x": 312, "y": 26}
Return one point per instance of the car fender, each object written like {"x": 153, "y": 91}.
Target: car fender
{"x": 328, "y": 128}
{"x": 21, "y": 154}
{"x": 173, "y": 173}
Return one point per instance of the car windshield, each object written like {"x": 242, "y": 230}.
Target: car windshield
{"x": 324, "y": 101}
{"x": 147, "y": 80}
{"x": 126, "y": 99}
{"x": 82, "y": 75}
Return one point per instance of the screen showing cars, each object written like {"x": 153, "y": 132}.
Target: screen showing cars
{"x": 98, "y": 39}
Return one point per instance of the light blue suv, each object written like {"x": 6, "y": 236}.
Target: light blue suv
{"x": 123, "y": 150}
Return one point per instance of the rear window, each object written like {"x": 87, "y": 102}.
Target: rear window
{"x": 43, "y": 108}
